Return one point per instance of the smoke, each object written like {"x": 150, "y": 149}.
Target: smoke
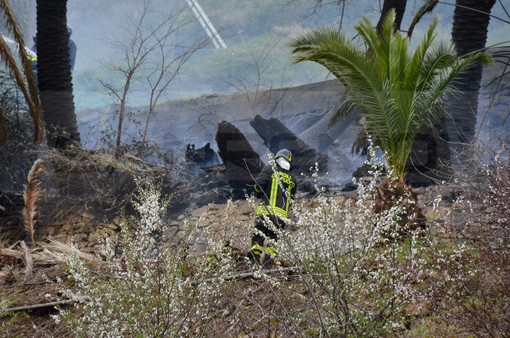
{"x": 96, "y": 23}
{"x": 257, "y": 58}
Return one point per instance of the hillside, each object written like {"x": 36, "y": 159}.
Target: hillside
{"x": 195, "y": 121}
{"x": 257, "y": 39}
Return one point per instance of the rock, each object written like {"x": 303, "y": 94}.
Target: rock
{"x": 340, "y": 200}
{"x": 197, "y": 213}
{"x": 112, "y": 226}
{"x": 277, "y": 136}
{"x": 170, "y": 233}
{"x": 244, "y": 208}
{"x": 244, "y": 218}
{"x": 214, "y": 206}
{"x": 241, "y": 161}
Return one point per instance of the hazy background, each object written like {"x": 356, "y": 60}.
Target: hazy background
{"x": 253, "y": 31}
{"x": 257, "y": 57}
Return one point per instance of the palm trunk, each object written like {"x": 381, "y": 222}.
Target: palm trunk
{"x": 399, "y": 6}
{"x": 54, "y": 74}
{"x": 470, "y": 26}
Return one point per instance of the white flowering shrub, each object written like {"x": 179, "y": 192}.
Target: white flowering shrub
{"x": 497, "y": 197}
{"x": 358, "y": 269}
{"x": 476, "y": 293}
{"x": 144, "y": 288}
{"x": 345, "y": 267}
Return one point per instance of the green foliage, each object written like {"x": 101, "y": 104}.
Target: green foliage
{"x": 398, "y": 92}
{"x": 8, "y": 320}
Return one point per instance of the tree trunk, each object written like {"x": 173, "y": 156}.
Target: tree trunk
{"x": 470, "y": 25}
{"x": 400, "y": 8}
{"x": 54, "y": 74}
{"x": 430, "y": 160}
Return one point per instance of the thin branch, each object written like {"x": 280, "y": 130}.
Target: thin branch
{"x": 37, "y": 306}
{"x": 251, "y": 274}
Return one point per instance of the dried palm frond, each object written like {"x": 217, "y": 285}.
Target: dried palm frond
{"x": 12, "y": 252}
{"x": 9, "y": 250}
{"x": 30, "y": 197}
{"x": 12, "y": 25}
{"x": 52, "y": 252}
{"x": 30, "y": 91}
{"x": 62, "y": 250}
{"x": 29, "y": 262}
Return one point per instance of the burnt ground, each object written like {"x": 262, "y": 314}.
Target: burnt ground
{"x": 18, "y": 291}
{"x": 21, "y": 289}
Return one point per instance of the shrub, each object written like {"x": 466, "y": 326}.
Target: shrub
{"x": 342, "y": 270}
{"x": 478, "y": 299}
{"x": 359, "y": 270}
{"x": 356, "y": 270}
{"x": 14, "y": 152}
{"x": 144, "y": 288}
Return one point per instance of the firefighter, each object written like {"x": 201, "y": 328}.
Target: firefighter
{"x": 72, "y": 52}
{"x": 275, "y": 186}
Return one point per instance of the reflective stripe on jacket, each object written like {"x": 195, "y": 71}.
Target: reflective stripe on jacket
{"x": 276, "y": 189}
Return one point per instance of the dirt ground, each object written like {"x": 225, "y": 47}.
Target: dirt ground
{"x": 19, "y": 291}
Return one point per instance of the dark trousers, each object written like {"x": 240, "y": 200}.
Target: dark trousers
{"x": 261, "y": 226}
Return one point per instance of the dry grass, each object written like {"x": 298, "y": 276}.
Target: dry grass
{"x": 45, "y": 253}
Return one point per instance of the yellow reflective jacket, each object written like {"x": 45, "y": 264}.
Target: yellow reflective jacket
{"x": 276, "y": 189}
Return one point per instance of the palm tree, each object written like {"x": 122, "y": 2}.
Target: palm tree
{"x": 54, "y": 74}
{"x": 398, "y": 92}
{"x": 24, "y": 77}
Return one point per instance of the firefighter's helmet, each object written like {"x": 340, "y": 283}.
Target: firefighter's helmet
{"x": 283, "y": 158}
{"x": 285, "y": 153}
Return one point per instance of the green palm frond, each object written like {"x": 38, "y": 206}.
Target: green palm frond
{"x": 345, "y": 109}
{"x": 361, "y": 144}
{"x": 397, "y": 91}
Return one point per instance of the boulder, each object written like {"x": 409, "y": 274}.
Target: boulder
{"x": 277, "y": 136}
{"x": 242, "y": 163}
